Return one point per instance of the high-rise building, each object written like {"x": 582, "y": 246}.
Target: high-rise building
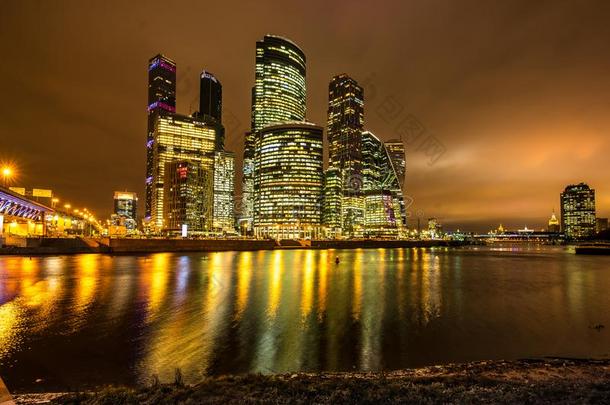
{"x": 184, "y": 205}
{"x": 181, "y": 138}
{"x": 279, "y": 90}
{"x": 125, "y": 208}
{"x": 345, "y": 123}
{"x": 578, "y": 211}
{"x": 224, "y": 191}
{"x": 554, "y": 226}
{"x": 288, "y": 181}
{"x": 384, "y": 208}
{"x": 601, "y": 224}
{"x": 278, "y": 95}
{"x": 396, "y": 149}
{"x": 331, "y": 208}
{"x": 161, "y": 99}
{"x": 210, "y": 96}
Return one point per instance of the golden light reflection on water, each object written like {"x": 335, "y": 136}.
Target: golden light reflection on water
{"x": 275, "y": 283}
{"x": 244, "y": 276}
{"x": 309, "y": 271}
{"x": 11, "y": 320}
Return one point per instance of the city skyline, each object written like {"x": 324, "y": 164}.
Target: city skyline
{"x": 508, "y": 151}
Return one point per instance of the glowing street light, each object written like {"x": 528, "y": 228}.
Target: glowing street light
{"x": 7, "y": 174}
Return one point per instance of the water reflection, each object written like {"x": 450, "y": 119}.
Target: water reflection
{"x": 280, "y": 311}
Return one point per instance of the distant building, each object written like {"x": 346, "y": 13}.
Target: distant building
{"x": 161, "y": 98}
{"x": 125, "y": 209}
{"x": 396, "y": 149}
{"x": 578, "y": 211}
{"x": 288, "y": 182}
{"x": 601, "y": 224}
{"x": 181, "y": 138}
{"x": 224, "y": 191}
{"x": 554, "y": 226}
{"x": 185, "y": 200}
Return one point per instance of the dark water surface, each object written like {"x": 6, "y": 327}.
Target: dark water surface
{"x": 87, "y": 320}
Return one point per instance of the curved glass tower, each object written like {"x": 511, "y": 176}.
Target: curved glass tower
{"x": 288, "y": 184}
{"x": 279, "y": 89}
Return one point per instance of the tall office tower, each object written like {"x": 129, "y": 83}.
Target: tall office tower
{"x": 178, "y": 137}
{"x": 345, "y": 123}
{"x": 184, "y": 194}
{"x": 224, "y": 191}
{"x": 246, "y": 207}
{"x": 288, "y": 185}
{"x": 578, "y": 211}
{"x": 161, "y": 99}
{"x": 125, "y": 208}
{"x": 396, "y": 149}
{"x": 279, "y": 89}
{"x": 331, "y": 208}
{"x": 210, "y": 105}
{"x": 601, "y": 224}
{"x": 385, "y": 214}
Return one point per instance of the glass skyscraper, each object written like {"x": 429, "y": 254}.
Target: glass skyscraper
{"x": 224, "y": 189}
{"x": 345, "y": 125}
{"x": 288, "y": 182}
{"x": 181, "y": 138}
{"x": 161, "y": 99}
{"x": 126, "y": 208}
{"x": 578, "y": 211}
{"x": 184, "y": 196}
{"x": 396, "y": 149}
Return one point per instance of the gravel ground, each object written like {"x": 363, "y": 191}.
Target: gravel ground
{"x": 550, "y": 381}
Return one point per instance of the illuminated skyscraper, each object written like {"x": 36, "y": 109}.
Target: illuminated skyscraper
{"x": 181, "y": 138}
{"x": 288, "y": 184}
{"x": 554, "y": 226}
{"x": 385, "y": 214}
{"x": 331, "y": 207}
{"x": 278, "y": 95}
{"x": 578, "y": 211}
{"x": 224, "y": 189}
{"x": 125, "y": 208}
{"x": 161, "y": 99}
{"x": 345, "y": 123}
{"x": 210, "y": 96}
{"x": 184, "y": 196}
{"x": 279, "y": 90}
{"x": 396, "y": 149}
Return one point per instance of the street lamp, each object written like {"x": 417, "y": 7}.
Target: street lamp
{"x": 7, "y": 173}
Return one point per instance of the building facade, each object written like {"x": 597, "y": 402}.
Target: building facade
{"x": 396, "y": 149}
{"x": 344, "y": 131}
{"x": 578, "y": 211}
{"x": 181, "y": 138}
{"x": 224, "y": 190}
{"x": 185, "y": 206}
{"x": 288, "y": 181}
{"x": 161, "y": 99}
{"x": 126, "y": 209}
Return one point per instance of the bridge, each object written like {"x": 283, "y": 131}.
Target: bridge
{"x": 15, "y": 206}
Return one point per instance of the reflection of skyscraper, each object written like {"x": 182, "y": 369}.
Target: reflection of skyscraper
{"x": 288, "y": 182}
{"x": 383, "y": 199}
{"x": 578, "y": 211}
{"x": 161, "y": 98}
{"x": 396, "y": 149}
{"x": 184, "y": 196}
{"x": 224, "y": 180}
{"x": 345, "y": 123}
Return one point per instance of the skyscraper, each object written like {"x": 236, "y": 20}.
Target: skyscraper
{"x": 578, "y": 211}
{"x": 288, "y": 184}
{"x": 278, "y": 95}
{"x": 554, "y": 226}
{"x": 224, "y": 189}
{"x": 125, "y": 208}
{"x": 161, "y": 98}
{"x": 184, "y": 202}
{"x": 210, "y": 96}
{"x": 345, "y": 123}
{"x": 396, "y": 149}
{"x": 279, "y": 89}
{"x": 384, "y": 208}
{"x": 181, "y": 138}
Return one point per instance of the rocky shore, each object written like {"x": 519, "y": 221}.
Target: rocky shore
{"x": 548, "y": 381}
